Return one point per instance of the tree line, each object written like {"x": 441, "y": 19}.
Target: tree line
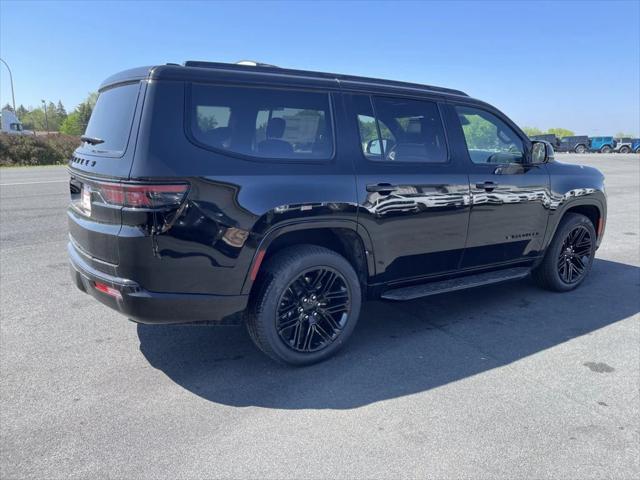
{"x": 558, "y": 132}
{"x": 56, "y": 118}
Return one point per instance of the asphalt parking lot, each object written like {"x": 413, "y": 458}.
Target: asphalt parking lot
{"x": 506, "y": 381}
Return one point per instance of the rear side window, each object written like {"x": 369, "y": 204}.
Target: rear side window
{"x": 261, "y": 122}
{"x": 401, "y": 130}
{"x": 111, "y": 119}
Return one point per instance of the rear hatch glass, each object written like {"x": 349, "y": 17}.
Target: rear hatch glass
{"x": 111, "y": 119}
{"x": 107, "y": 143}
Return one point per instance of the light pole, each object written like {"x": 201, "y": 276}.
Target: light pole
{"x": 13, "y": 97}
{"x": 46, "y": 119}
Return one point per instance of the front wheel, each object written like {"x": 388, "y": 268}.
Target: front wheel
{"x": 625, "y": 149}
{"x": 605, "y": 149}
{"x": 305, "y": 306}
{"x": 569, "y": 256}
{"x": 581, "y": 149}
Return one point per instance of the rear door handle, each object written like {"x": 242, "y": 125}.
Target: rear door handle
{"x": 382, "y": 188}
{"x": 488, "y": 186}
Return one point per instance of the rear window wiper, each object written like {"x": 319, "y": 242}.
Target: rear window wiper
{"x": 91, "y": 140}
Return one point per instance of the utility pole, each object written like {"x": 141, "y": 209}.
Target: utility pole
{"x": 46, "y": 119}
{"x": 13, "y": 97}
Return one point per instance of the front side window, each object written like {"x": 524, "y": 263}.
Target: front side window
{"x": 402, "y": 130}
{"x": 263, "y": 123}
{"x": 489, "y": 139}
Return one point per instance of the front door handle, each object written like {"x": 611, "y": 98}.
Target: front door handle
{"x": 382, "y": 188}
{"x": 488, "y": 186}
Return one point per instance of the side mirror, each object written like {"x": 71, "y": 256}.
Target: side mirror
{"x": 541, "y": 152}
{"x": 373, "y": 146}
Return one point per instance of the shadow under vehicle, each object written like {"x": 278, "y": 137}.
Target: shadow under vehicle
{"x": 421, "y": 345}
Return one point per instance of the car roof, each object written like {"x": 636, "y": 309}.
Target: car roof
{"x": 260, "y": 73}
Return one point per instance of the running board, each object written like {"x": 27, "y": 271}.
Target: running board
{"x": 451, "y": 285}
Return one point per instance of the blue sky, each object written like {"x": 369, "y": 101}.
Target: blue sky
{"x": 546, "y": 64}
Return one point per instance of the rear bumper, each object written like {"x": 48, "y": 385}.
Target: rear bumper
{"x": 143, "y": 306}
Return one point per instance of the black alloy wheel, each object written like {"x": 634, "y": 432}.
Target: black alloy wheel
{"x": 575, "y": 255}
{"x": 305, "y": 304}
{"x": 313, "y": 310}
{"x": 569, "y": 256}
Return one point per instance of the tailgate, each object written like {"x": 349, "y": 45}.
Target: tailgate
{"x": 106, "y": 155}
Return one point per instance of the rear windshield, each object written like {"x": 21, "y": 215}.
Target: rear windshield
{"x": 111, "y": 119}
{"x": 262, "y": 123}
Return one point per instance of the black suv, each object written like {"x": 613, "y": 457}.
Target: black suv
{"x": 548, "y": 137}
{"x": 577, "y": 144}
{"x": 213, "y": 193}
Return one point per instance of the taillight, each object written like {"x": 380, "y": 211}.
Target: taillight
{"x": 141, "y": 195}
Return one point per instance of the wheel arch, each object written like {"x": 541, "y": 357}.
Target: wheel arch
{"x": 586, "y": 147}
{"x": 590, "y": 208}
{"x": 343, "y": 237}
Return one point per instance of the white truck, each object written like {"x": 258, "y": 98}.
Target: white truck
{"x": 11, "y": 125}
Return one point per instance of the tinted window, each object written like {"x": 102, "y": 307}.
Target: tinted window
{"x": 369, "y": 137}
{"x": 403, "y": 130}
{"x": 489, "y": 139}
{"x": 111, "y": 119}
{"x": 368, "y": 128}
{"x": 262, "y": 122}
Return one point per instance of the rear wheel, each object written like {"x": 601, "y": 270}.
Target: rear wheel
{"x": 305, "y": 306}
{"x": 605, "y": 149}
{"x": 625, "y": 149}
{"x": 580, "y": 149}
{"x": 569, "y": 256}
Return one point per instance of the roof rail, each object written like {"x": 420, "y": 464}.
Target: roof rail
{"x": 249, "y": 65}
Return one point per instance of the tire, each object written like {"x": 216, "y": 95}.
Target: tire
{"x": 279, "y": 315}
{"x": 549, "y": 274}
{"x": 580, "y": 149}
{"x": 605, "y": 149}
{"x": 625, "y": 149}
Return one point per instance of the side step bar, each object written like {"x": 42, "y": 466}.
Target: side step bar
{"x": 451, "y": 285}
